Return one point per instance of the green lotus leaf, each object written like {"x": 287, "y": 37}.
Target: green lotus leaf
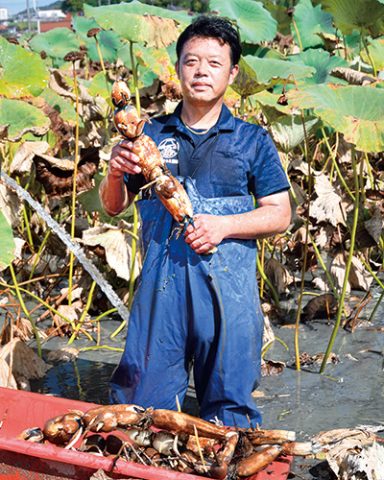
{"x": 271, "y": 100}
{"x": 22, "y": 118}
{"x": 280, "y": 14}
{"x": 356, "y": 112}
{"x": 322, "y": 62}
{"x": 257, "y": 74}
{"x": 289, "y": 131}
{"x": 262, "y": 52}
{"x": 22, "y": 73}
{"x": 63, "y": 106}
{"x": 363, "y": 15}
{"x": 55, "y": 43}
{"x": 376, "y": 52}
{"x": 109, "y": 41}
{"x": 256, "y": 24}
{"x": 99, "y": 85}
{"x": 147, "y": 58}
{"x": 137, "y": 8}
{"x": 153, "y": 31}
{"x": 308, "y": 23}
{"x": 7, "y": 243}
{"x": 157, "y": 60}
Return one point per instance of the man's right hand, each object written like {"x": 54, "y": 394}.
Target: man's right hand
{"x": 123, "y": 160}
{"x": 114, "y": 195}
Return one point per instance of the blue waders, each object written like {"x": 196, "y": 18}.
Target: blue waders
{"x": 187, "y": 307}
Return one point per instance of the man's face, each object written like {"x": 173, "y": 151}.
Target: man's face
{"x": 205, "y": 70}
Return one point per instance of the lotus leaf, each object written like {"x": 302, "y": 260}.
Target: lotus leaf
{"x": 376, "y": 52}
{"x": 150, "y": 30}
{"x": 267, "y": 99}
{"x": 158, "y": 61}
{"x": 322, "y": 62}
{"x": 56, "y": 44}
{"x": 109, "y": 41}
{"x": 61, "y": 105}
{"x": 280, "y": 14}
{"x": 138, "y": 8}
{"x": 22, "y": 118}
{"x": 262, "y": 52}
{"x": 99, "y": 85}
{"x": 309, "y": 22}
{"x": 363, "y": 15}
{"x": 146, "y": 75}
{"x": 257, "y": 74}
{"x": 7, "y": 243}
{"x": 289, "y": 131}
{"x": 256, "y": 24}
{"x": 356, "y": 112}
{"x": 22, "y": 73}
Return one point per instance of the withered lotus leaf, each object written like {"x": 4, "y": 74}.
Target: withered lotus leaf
{"x": 56, "y": 175}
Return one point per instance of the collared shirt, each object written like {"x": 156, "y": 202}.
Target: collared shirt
{"x": 234, "y": 157}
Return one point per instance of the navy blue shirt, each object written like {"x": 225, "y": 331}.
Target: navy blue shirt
{"x": 233, "y": 158}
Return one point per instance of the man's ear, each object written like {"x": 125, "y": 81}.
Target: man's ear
{"x": 233, "y": 74}
{"x": 177, "y": 69}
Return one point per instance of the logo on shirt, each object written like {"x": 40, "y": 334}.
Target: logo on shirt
{"x": 169, "y": 148}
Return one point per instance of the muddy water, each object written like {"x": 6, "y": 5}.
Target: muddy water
{"x": 348, "y": 394}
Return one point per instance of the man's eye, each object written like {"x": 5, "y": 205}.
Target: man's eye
{"x": 215, "y": 64}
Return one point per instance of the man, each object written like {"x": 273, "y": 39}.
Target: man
{"x": 192, "y": 305}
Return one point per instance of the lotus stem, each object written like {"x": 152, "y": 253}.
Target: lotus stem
{"x": 242, "y": 105}
{"x": 347, "y": 267}
{"x": 333, "y": 156}
{"x": 274, "y": 293}
{"x": 305, "y": 253}
{"x": 135, "y": 237}
{"x": 104, "y": 314}
{"x": 73, "y": 204}
{"x": 297, "y": 33}
{"x": 376, "y": 307}
{"x": 101, "y": 347}
{"x": 364, "y": 40}
{"x": 41, "y": 301}
{"x": 135, "y": 78}
{"x": 369, "y": 268}
{"x": 25, "y": 310}
{"x": 83, "y": 315}
{"x": 269, "y": 344}
{"x": 262, "y": 258}
{"x": 28, "y": 229}
{"x": 100, "y": 55}
{"x": 133, "y": 254}
{"x": 78, "y": 381}
{"x": 369, "y": 169}
{"x": 317, "y": 252}
{"x": 39, "y": 252}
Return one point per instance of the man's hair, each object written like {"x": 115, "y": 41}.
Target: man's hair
{"x": 214, "y": 27}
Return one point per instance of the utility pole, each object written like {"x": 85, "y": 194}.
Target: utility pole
{"x": 28, "y": 17}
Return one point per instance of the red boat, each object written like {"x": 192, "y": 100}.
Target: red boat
{"x": 23, "y": 460}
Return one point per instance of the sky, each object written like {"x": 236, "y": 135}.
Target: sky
{"x": 15, "y": 6}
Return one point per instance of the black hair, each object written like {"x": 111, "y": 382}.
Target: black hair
{"x": 214, "y": 27}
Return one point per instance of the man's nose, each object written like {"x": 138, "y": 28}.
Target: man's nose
{"x": 201, "y": 69}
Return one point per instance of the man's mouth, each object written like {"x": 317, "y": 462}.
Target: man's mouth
{"x": 200, "y": 85}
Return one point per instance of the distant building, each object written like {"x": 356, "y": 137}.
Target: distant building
{"x": 51, "y": 15}
{"x": 3, "y": 14}
{"x": 49, "y": 24}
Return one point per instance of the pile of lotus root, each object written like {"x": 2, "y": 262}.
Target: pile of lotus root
{"x": 175, "y": 440}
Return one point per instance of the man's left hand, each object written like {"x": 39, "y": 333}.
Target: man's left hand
{"x": 206, "y": 233}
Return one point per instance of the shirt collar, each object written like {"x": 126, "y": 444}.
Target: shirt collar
{"x": 226, "y": 121}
